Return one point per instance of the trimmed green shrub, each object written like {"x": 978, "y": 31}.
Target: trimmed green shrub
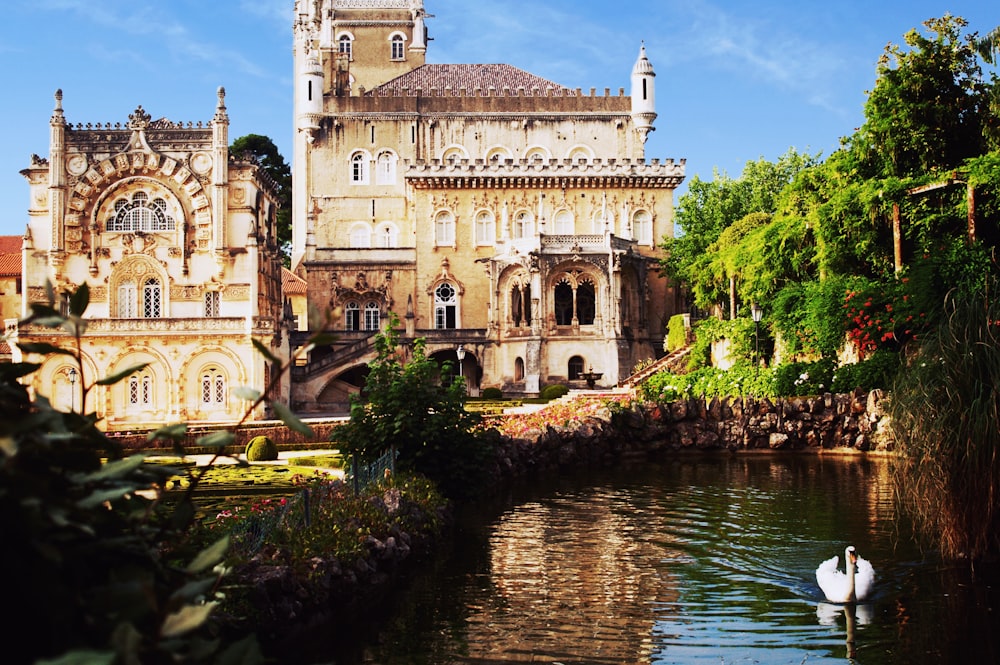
{"x": 261, "y": 449}
{"x": 676, "y": 333}
{"x": 492, "y": 393}
{"x": 555, "y": 391}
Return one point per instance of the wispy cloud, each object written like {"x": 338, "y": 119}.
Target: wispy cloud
{"x": 151, "y": 19}
{"x": 758, "y": 47}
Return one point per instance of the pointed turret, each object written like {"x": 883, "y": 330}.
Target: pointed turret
{"x": 643, "y": 95}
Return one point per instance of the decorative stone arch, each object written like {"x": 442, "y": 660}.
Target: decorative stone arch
{"x": 514, "y": 287}
{"x": 498, "y": 154}
{"x": 359, "y": 235}
{"x": 537, "y": 154}
{"x": 361, "y": 292}
{"x": 580, "y": 153}
{"x": 575, "y": 291}
{"x": 137, "y": 269}
{"x": 215, "y": 361}
{"x": 53, "y": 380}
{"x": 454, "y": 153}
{"x": 117, "y": 397}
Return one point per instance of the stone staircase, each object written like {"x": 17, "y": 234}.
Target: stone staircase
{"x": 675, "y": 361}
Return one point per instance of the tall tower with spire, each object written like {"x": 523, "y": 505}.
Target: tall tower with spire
{"x": 643, "y": 95}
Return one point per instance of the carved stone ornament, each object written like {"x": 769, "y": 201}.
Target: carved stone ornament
{"x": 76, "y": 164}
{"x": 201, "y": 163}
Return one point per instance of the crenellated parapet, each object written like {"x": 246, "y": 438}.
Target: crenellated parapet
{"x": 596, "y": 173}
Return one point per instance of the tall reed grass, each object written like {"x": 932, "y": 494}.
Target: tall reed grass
{"x": 945, "y": 412}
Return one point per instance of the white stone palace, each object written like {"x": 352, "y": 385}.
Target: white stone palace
{"x": 510, "y": 221}
{"x": 176, "y": 240}
{"x": 489, "y": 208}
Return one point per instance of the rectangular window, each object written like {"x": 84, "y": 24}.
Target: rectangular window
{"x": 444, "y": 317}
{"x": 211, "y": 304}
{"x": 397, "y": 49}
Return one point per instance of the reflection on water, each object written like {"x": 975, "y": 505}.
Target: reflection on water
{"x": 706, "y": 560}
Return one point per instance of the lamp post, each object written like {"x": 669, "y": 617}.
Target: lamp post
{"x": 755, "y": 313}
{"x": 72, "y": 389}
{"x": 460, "y": 352}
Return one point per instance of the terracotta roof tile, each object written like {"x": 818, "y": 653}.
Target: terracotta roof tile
{"x": 10, "y": 244}
{"x": 10, "y": 265}
{"x": 470, "y": 77}
{"x": 292, "y": 283}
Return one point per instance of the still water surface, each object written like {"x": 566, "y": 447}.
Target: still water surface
{"x": 698, "y": 560}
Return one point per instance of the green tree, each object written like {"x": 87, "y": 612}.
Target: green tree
{"x": 267, "y": 155}
{"x": 709, "y": 208}
{"x": 927, "y": 110}
{"x": 416, "y": 407}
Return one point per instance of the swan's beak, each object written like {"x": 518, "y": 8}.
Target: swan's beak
{"x": 854, "y": 557}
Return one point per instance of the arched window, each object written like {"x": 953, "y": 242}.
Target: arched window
{"x": 444, "y": 228}
{"x": 152, "y": 299}
{"x": 141, "y": 214}
{"x": 345, "y": 45}
{"x": 575, "y": 305}
{"x": 586, "y": 303}
{"x": 520, "y": 304}
{"x": 519, "y": 369}
{"x": 485, "y": 228}
{"x": 398, "y": 52}
{"x": 372, "y": 315}
{"x": 352, "y": 316}
{"x": 563, "y": 304}
{"x": 536, "y": 155}
{"x": 359, "y": 168}
{"x": 575, "y": 368}
{"x": 385, "y": 168}
{"x": 563, "y": 223}
{"x": 642, "y": 227}
{"x": 498, "y": 155}
{"x": 524, "y": 224}
{"x": 213, "y": 388}
{"x": 386, "y": 235}
{"x": 361, "y": 236}
{"x": 140, "y": 390}
{"x": 445, "y": 306}
{"x": 603, "y": 219}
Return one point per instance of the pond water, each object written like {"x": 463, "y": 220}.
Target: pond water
{"x": 694, "y": 560}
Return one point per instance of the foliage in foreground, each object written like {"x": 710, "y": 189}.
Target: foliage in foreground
{"x": 83, "y": 538}
{"x": 945, "y": 411}
{"x": 332, "y": 523}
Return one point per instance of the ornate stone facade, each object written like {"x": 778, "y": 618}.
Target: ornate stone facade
{"x": 488, "y": 207}
{"x": 176, "y": 241}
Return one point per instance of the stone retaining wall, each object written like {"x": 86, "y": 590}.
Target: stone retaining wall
{"x": 846, "y": 421}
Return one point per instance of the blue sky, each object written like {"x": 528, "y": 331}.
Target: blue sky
{"x": 736, "y": 81}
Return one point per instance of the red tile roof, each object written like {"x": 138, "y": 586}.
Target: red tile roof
{"x": 10, "y": 245}
{"x": 10, "y": 265}
{"x": 292, "y": 283}
{"x": 470, "y": 77}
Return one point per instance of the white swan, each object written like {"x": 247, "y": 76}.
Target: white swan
{"x": 854, "y": 585}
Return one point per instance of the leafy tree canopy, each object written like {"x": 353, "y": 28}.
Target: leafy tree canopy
{"x": 267, "y": 155}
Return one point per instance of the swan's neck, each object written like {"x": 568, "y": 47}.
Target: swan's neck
{"x": 851, "y": 595}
